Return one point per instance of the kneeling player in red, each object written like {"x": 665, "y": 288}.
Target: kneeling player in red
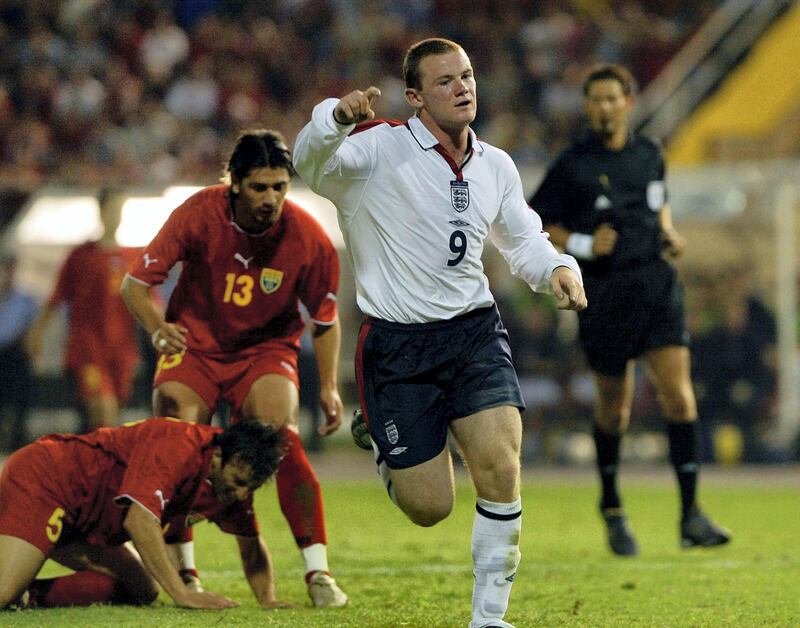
{"x": 78, "y": 499}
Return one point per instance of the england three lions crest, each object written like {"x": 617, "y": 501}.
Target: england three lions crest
{"x": 270, "y": 280}
{"x": 459, "y": 195}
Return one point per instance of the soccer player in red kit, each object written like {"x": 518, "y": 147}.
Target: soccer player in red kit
{"x": 232, "y": 326}
{"x": 102, "y": 349}
{"x": 129, "y": 483}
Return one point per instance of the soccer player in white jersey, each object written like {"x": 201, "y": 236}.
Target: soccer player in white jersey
{"x": 415, "y": 203}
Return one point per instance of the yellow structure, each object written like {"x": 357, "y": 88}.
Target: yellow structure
{"x": 751, "y": 106}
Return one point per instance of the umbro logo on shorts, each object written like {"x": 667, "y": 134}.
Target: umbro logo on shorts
{"x": 397, "y": 450}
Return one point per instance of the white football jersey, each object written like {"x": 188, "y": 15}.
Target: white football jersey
{"x": 414, "y": 223}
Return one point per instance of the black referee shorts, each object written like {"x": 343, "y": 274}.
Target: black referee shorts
{"x": 414, "y": 379}
{"x": 630, "y": 312}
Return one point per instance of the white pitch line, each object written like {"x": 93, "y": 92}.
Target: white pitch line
{"x": 541, "y": 567}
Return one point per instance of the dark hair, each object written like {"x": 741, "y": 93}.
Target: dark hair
{"x": 417, "y": 52}
{"x": 613, "y": 72}
{"x": 259, "y": 445}
{"x": 259, "y": 148}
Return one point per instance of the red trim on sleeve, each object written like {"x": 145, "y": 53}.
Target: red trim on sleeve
{"x": 365, "y": 126}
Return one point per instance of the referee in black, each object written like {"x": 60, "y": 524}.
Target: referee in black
{"x": 604, "y": 202}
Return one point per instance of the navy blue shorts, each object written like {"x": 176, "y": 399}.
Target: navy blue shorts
{"x": 631, "y": 312}
{"x": 414, "y": 379}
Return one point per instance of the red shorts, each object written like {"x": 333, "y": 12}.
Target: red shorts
{"x": 28, "y": 509}
{"x": 229, "y": 378}
{"x": 95, "y": 379}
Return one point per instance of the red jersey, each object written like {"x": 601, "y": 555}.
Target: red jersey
{"x": 161, "y": 464}
{"x": 238, "y": 290}
{"x": 99, "y": 321}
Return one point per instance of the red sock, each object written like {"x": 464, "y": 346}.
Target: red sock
{"x": 299, "y": 494}
{"x": 178, "y": 532}
{"x": 79, "y": 589}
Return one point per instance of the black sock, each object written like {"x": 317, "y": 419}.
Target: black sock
{"x": 607, "y": 446}
{"x": 683, "y": 455}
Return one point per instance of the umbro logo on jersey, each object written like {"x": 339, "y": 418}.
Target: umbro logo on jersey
{"x": 459, "y": 195}
{"x": 148, "y": 261}
{"x": 602, "y": 202}
{"x": 458, "y": 223}
{"x": 245, "y": 261}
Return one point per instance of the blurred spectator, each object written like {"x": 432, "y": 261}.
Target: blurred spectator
{"x": 17, "y": 311}
{"x": 162, "y": 48}
{"x": 151, "y": 74}
{"x": 733, "y": 371}
{"x": 102, "y": 350}
{"x": 194, "y": 97}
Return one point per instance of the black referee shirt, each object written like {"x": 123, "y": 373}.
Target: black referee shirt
{"x": 589, "y": 185}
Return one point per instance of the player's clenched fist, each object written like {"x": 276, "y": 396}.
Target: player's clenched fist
{"x": 356, "y": 106}
{"x": 568, "y": 290}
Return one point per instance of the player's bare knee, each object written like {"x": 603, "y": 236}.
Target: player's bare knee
{"x": 8, "y": 594}
{"x": 498, "y": 481}
{"x": 613, "y": 420}
{"x": 268, "y": 418}
{"x": 682, "y": 413}
{"x": 429, "y": 514}
{"x": 140, "y": 594}
{"x": 425, "y": 508}
{"x": 679, "y": 408}
{"x": 147, "y": 597}
{"x": 167, "y": 405}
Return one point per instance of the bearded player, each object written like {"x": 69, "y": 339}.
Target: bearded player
{"x": 232, "y": 326}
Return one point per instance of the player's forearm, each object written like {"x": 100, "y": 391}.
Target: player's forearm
{"x": 558, "y": 235}
{"x": 665, "y": 218}
{"x": 327, "y": 344}
{"x": 137, "y": 297}
{"x": 257, "y": 565}
{"x": 145, "y": 532}
{"x": 317, "y": 143}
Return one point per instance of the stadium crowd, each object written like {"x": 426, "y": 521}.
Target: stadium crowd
{"x": 95, "y": 92}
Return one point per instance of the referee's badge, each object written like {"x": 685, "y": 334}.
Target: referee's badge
{"x": 270, "y": 280}
{"x": 656, "y": 195}
{"x": 459, "y": 195}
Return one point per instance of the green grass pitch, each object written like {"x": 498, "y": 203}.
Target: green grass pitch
{"x": 399, "y": 575}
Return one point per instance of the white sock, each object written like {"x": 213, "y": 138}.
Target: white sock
{"x": 495, "y": 557}
{"x": 315, "y": 557}
{"x": 184, "y": 554}
{"x": 383, "y": 472}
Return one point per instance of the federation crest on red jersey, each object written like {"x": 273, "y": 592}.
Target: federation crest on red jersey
{"x": 270, "y": 280}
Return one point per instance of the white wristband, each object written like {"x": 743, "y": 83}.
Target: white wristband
{"x": 580, "y": 245}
